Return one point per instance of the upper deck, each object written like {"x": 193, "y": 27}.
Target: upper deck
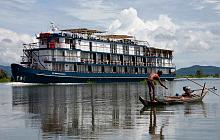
{"x": 94, "y": 40}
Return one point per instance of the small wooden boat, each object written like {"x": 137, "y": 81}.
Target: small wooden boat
{"x": 169, "y": 100}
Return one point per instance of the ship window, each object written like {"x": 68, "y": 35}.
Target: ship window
{"x": 108, "y": 57}
{"x": 71, "y": 41}
{"x": 94, "y": 57}
{"x": 140, "y": 70}
{"x": 137, "y": 50}
{"x": 121, "y": 59}
{"x": 103, "y": 69}
{"x": 67, "y": 41}
{"x": 144, "y": 60}
{"x": 72, "y": 44}
{"x": 43, "y": 41}
{"x": 101, "y": 57}
{"x": 136, "y": 70}
{"x": 75, "y": 67}
{"x": 125, "y": 49}
{"x": 90, "y": 68}
{"x": 113, "y": 48}
{"x": 170, "y": 71}
{"x": 126, "y": 69}
{"x": 90, "y": 46}
{"x": 57, "y": 40}
{"x": 133, "y": 59}
{"x": 114, "y": 69}
{"x": 63, "y": 53}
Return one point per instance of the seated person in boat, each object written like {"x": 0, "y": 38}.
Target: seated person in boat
{"x": 187, "y": 91}
{"x": 151, "y": 82}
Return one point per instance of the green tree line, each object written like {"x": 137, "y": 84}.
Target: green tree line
{"x": 200, "y": 74}
{"x": 3, "y": 76}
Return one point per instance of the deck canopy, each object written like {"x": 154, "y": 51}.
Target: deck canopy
{"x": 83, "y": 31}
{"x": 116, "y": 36}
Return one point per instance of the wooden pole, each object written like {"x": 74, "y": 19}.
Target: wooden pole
{"x": 202, "y": 86}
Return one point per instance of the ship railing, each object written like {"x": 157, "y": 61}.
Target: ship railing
{"x": 83, "y": 60}
{"x": 173, "y": 65}
{"x": 99, "y": 61}
{"x": 144, "y": 43}
{"x": 30, "y": 45}
{"x": 36, "y": 58}
{"x": 166, "y": 65}
{"x": 129, "y": 41}
{"x": 60, "y": 58}
{"x": 24, "y": 59}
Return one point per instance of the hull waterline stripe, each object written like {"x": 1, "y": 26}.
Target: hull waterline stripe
{"x": 91, "y": 77}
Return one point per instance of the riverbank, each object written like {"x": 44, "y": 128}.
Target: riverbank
{"x": 4, "y": 80}
{"x": 196, "y": 76}
{"x": 183, "y": 79}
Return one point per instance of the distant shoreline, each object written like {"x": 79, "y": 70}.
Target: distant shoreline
{"x": 203, "y": 78}
{"x": 5, "y": 80}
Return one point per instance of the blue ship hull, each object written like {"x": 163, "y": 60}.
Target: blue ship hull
{"x": 28, "y": 75}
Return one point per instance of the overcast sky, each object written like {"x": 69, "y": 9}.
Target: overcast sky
{"x": 190, "y": 27}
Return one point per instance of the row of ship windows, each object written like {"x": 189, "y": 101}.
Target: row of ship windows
{"x": 113, "y": 47}
{"x": 98, "y": 57}
{"x": 114, "y": 60}
{"x": 103, "y": 69}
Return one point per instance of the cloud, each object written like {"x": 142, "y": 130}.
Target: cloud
{"x": 196, "y": 41}
{"x": 24, "y": 1}
{"x": 190, "y": 41}
{"x": 11, "y": 46}
{"x": 202, "y": 4}
{"x": 197, "y": 5}
{"x": 215, "y": 4}
{"x": 159, "y": 33}
{"x": 162, "y": 32}
{"x": 200, "y": 7}
{"x": 18, "y": 4}
{"x": 90, "y": 10}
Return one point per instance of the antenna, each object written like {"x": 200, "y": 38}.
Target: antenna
{"x": 53, "y": 26}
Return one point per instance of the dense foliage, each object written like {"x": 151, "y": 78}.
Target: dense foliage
{"x": 3, "y": 76}
{"x": 199, "y": 74}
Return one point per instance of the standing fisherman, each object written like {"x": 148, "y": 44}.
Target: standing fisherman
{"x": 150, "y": 82}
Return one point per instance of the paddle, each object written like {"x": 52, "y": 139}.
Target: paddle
{"x": 202, "y": 86}
{"x": 213, "y": 88}
{"x": 203, "y": 90}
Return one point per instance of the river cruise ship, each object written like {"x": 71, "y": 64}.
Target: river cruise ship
{"x": 86, "y": 55}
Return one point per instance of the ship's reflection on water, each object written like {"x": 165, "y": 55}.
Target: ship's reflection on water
{"x": 98, "y": 111}
{"x": 83, "y": 111}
